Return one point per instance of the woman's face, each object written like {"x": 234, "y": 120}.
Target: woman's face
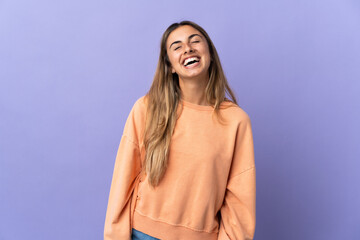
{"x": 186, "y": 43}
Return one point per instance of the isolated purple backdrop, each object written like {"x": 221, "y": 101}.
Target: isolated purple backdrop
{"x": 70, "y": 72}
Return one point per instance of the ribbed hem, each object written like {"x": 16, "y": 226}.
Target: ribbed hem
{"x": 223, "y": 105}
{"x": 165, "y": 231}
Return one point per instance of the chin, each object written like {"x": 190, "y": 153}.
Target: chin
{"x": 195, "y": 75}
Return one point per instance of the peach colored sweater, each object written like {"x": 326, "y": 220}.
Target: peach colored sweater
{"x": 208, "y": 190}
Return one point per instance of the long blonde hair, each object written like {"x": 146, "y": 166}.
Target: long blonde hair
{"x": 163, "y": 99}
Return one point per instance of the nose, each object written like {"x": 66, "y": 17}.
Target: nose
{"x": 188, "y": 48}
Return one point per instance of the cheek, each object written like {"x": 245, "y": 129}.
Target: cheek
{"x": 173, "y": 59}
{"x": 205, "y": 50}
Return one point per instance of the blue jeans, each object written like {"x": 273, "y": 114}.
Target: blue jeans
{"x": 137, "y": 235}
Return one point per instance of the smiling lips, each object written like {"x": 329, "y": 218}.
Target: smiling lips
{"x": 191, "y": 62}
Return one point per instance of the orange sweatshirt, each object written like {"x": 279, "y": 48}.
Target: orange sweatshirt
{"x": 208, "y": 190}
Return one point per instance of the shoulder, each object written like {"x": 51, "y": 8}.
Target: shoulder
{"x": 139, "y": 106}
{"x": 235, "y": 112}
{"x": 135, "y": 123}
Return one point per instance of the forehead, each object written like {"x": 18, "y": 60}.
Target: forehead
{"x": 181, "y": 34}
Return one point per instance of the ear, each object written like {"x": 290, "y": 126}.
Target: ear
{"x": 172, "y": 70}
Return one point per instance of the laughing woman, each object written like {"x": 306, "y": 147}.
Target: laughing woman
{"x": 185, "y": 167}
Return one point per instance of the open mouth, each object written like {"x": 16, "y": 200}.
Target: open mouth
{"x": 191, "y": 62}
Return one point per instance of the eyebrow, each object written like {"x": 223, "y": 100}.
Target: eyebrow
{"x": 191, "y": 36}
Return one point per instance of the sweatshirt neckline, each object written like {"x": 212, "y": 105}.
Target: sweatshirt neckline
{"x": 196, "y": 106}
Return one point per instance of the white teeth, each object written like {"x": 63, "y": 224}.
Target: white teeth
{"x": 190, "y": 59}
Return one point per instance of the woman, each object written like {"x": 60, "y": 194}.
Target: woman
{"x": 185, "y": 165}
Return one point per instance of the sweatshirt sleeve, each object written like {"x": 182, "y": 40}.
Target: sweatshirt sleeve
{"x": 237, "y": 221}
{"x": 126, "y": 169}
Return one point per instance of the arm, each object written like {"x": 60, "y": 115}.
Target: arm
{"x": 126, "y": 169}
{"x": 238, "y": 210}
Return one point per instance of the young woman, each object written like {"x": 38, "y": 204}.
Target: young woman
{"x": 185, "y": 166}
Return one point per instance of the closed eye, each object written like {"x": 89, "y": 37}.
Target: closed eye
{"x": 192, "y": 42}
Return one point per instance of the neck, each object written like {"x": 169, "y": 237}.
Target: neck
{"x": 193, "y": 90}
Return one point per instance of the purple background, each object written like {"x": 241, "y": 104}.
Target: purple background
{"x": 70, "y": 72}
